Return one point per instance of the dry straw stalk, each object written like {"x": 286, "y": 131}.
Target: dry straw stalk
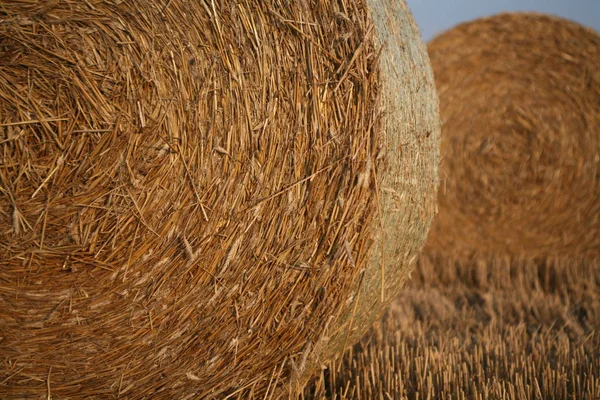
{"x": 204, "y": 199}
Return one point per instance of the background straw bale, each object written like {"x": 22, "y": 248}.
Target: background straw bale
{"x": 189, "y": 190}
{"x": 520, "y": 162}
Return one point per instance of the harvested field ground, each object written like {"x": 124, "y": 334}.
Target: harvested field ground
{"x": 501, "y": 330}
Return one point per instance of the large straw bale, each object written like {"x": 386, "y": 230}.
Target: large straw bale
{"x": 520, "y": 169}
{"x": 204, "y": 198}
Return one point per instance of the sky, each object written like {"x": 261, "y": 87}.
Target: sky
{"x": 436, "y": 16}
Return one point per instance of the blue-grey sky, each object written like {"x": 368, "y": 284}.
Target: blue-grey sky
{"x": 436, "y": 16}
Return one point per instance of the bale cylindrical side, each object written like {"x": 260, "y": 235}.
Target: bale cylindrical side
{"x": 406, "y": 170}
{"x": 204, "y": 198}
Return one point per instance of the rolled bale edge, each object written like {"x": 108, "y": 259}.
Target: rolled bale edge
{"x": 406, "y": 179}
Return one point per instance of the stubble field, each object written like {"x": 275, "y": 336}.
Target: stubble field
{"x": 495, "y": 330}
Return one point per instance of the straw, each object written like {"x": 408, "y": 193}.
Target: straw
{"x": 189, "y": 191}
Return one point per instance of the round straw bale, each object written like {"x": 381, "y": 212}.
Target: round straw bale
{"x": 520, "y": 108}
{"x": 204, "y": 198}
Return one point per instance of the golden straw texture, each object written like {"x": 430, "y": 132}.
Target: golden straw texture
{"x": 520, "y": 108}
{"x": 189, "y": 191}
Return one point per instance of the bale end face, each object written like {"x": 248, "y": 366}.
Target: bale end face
{"x": 189, "y": 193}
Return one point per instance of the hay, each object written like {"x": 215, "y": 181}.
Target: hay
{"x": 520, "y": 107}
{"x": 189, "y": 191}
